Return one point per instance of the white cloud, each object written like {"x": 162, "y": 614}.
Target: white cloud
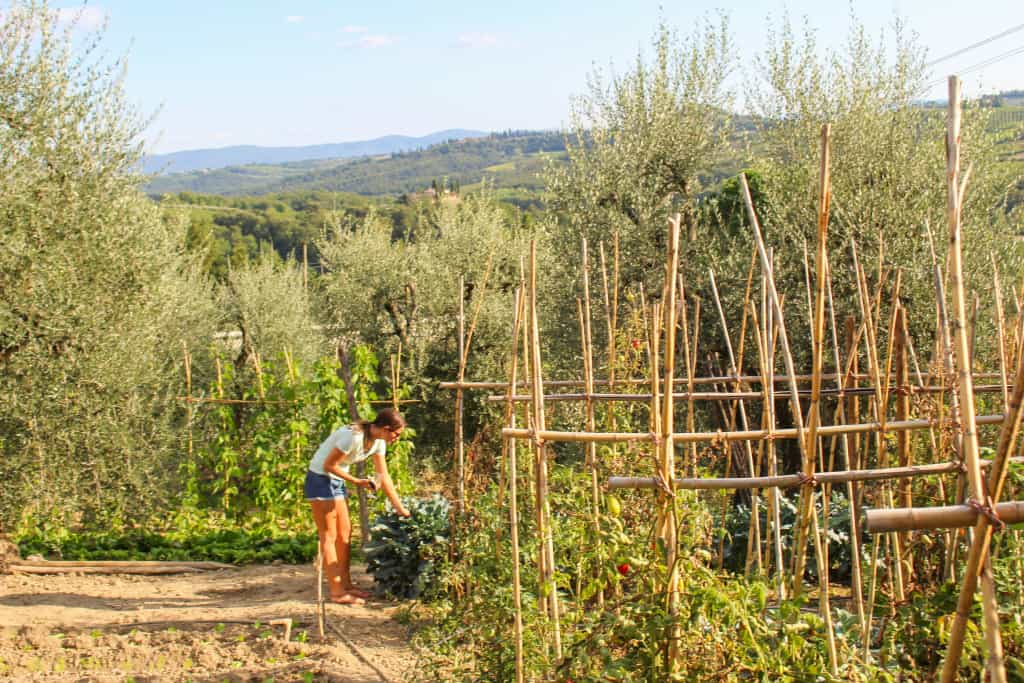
{"x": 89, "y": 18}
{"x": 354, "y": 29}
{"x": 371, "y": 42}
{"x": 477, "y": 40}
{"x": 294, "y": 18}
{"x": 374, "y": 41}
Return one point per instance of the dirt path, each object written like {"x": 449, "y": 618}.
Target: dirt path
{"x": 207, "y": 628}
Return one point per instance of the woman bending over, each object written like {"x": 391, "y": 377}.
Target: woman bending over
{"x": 325, "y": 490}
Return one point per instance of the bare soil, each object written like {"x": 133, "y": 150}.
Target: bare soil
{"x": 207, "y": 628}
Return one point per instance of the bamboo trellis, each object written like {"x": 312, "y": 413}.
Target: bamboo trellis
{"x": 833, "y": 442}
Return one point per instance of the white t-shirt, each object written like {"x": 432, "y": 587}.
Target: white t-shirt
{"x": 350, "y": 442}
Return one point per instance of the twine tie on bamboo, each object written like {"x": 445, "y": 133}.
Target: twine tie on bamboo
{"x": 804, "y": 479}
{"x": 662, "y": 485}
{"x": 989, "y": 511}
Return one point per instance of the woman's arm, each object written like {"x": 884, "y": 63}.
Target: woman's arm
{"x": 331, "y": 465}
{"x": 381, "y": 466}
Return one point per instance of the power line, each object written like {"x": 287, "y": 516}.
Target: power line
{"x": 980, "y": 65}
{"x": 986, "y": 41}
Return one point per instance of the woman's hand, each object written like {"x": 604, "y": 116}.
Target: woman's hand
{"x": 402, "y": 512}
{"x": 366, "y": 484}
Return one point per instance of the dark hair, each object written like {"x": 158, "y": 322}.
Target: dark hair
{"x": 388, "y": 418}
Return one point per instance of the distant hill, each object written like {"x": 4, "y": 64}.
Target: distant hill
{"x": 212, "y": 159}
{"x": 510, "y": 160}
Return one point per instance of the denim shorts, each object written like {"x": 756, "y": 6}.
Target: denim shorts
{"x": 323, "y": 487}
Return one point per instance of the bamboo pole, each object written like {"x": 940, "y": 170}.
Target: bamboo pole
{"x": 588, "y": 379}
{"x": 792, "y": 480}
{"x": 666, "y": 508}
{"x": 714, "y": 379}
{"x": 754, "y": 528}
{"x": 824, "y": 198}
{"x": 904, "y": 443}
{"x": 794, "y": 396}
{"x": 944, "y": 347}
{"x": 690, "y": 362}
{"x": 691, "y": 418}
{"x": 881, "y": 400}
{"x": 798, "y": 420}
{"x": 723, "y": 396}
{"x": 460, "y": 453}
{"x": 869, "y": 325}
{"x": 510, "y": 447}
{"x": 944, "y": 517}
{"x": 979, "y": 546}
{"x": 768, "y": 424}
{"x": 856, "y": 586}
{"x": 771, "y": 337}
{"x": 464, "y": 342}
{"x": 754, "y": 434}
{"x": 543, "y": 502}
{"x": 611, "y": 306}
{"x": 754, "y": 536}
{"x": 807, "y": 510}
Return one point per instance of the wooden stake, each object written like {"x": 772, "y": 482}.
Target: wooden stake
{"x": 754, "y": 535}
{"x": 904, "y": 443}
{"x": 856, "y": 585}
{"x": 690, "y": 465}
{"x": 513, "y": 469}
{"x": 666, "y": 497}
{"x": 768, "y": 424}
{"x": 588, "y": 379}
{"x": 543, "y": 502}
{"x": 979, "y": 546}
{"x": 754, "y": 434}
{"x": 460, "y": 453}
{"x": 797, "y": 419}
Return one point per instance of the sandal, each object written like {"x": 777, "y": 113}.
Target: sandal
{"x": 347, "y": 599}
{"x": 359, "y": 593}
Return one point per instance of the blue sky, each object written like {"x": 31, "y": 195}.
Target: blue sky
{"x": 307, "y": 72}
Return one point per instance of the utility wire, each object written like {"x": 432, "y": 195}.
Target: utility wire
{"x": 980, "y": 65}
{"x": 986, "y": 41}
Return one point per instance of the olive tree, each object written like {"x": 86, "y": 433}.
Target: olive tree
{"x": 641, "y": 143}
{"x": 96, "y": 294}
{"x": 888, "y": 163}
{"x": 268, "y": 302}
{"x": 387, "y": 290}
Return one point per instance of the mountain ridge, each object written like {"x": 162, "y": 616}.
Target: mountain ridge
{"x": 511, "y": 159}
{"x": 214, "y": 158}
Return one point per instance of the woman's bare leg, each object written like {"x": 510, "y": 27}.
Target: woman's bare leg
{"x": 343, "y": 544}
{"x": 326, "y": 518}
